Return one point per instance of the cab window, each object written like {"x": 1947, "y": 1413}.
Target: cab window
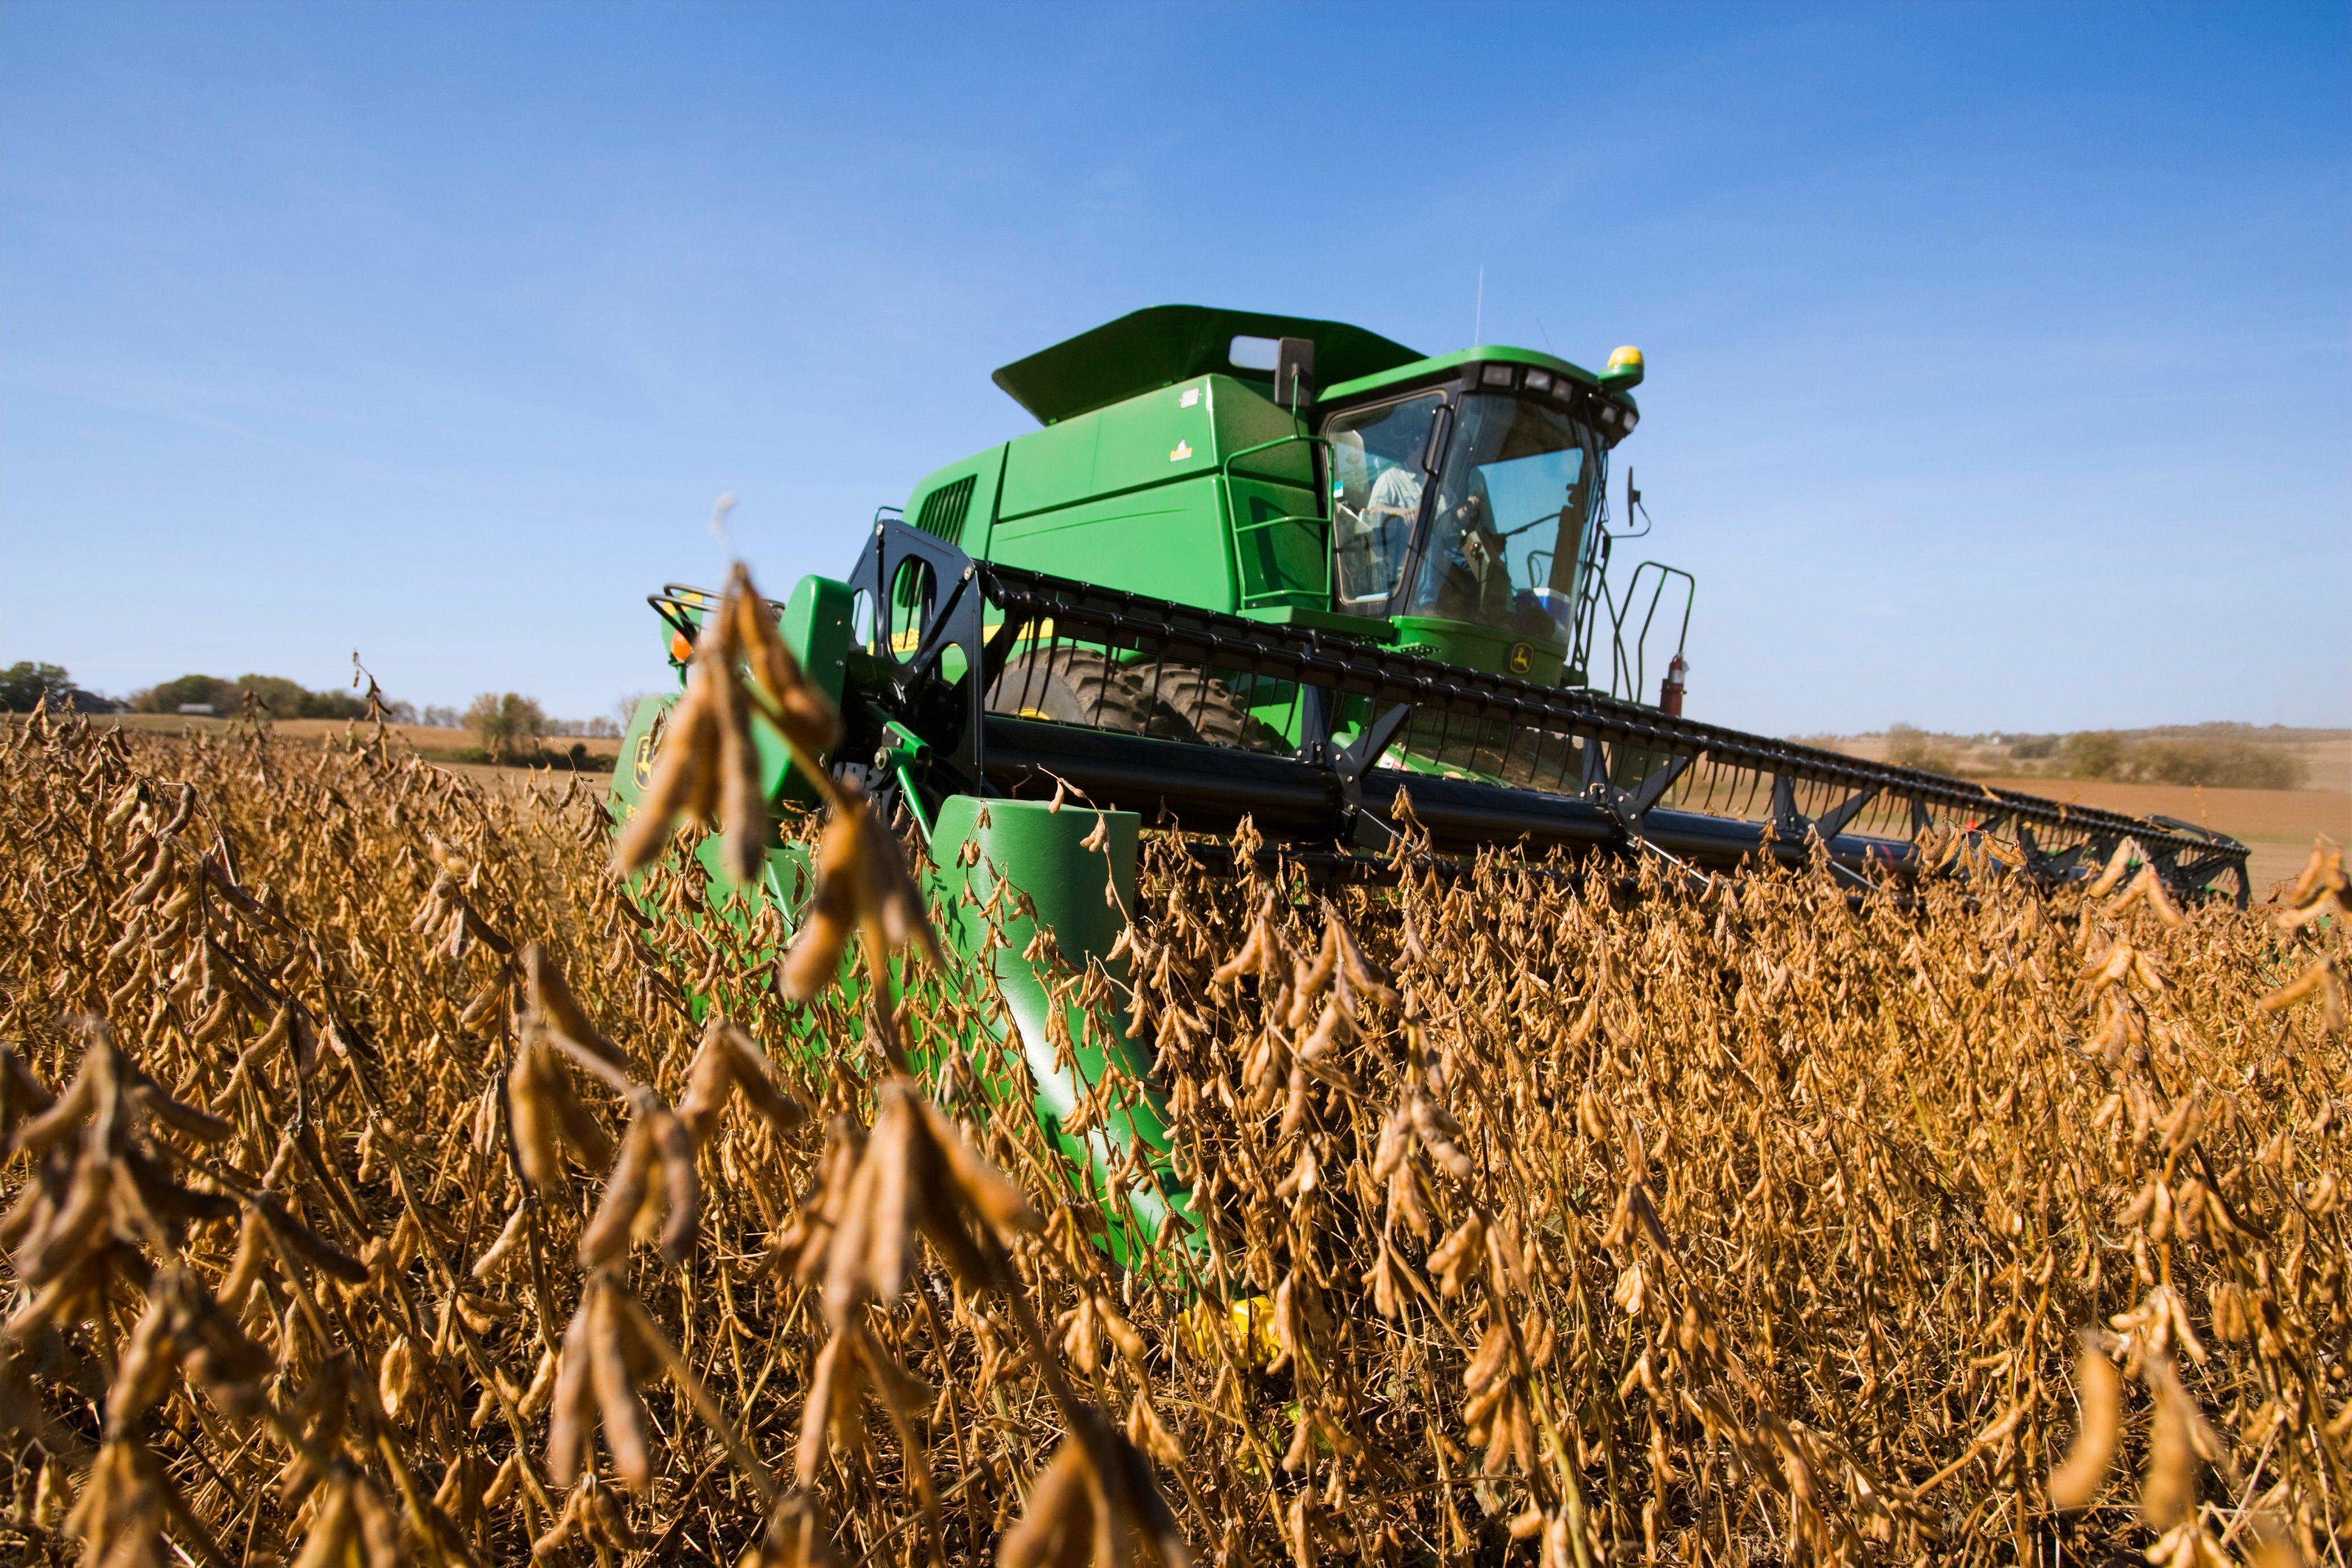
{"x": 1377, "y": 476}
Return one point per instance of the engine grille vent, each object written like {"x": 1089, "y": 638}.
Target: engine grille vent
{"x": 944, "y": 510}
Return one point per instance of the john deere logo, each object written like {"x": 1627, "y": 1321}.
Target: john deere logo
{"x": 641, "y": 767}
{"x": 1523, "y": 658}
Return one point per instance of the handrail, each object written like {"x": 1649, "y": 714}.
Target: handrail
{"x": 1247, "y": 596}
{"x": 1225, "y": 466}
{"x": 1619, "y": 614}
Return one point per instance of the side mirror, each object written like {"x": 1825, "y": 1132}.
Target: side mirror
{"x": 1294, "y": 373}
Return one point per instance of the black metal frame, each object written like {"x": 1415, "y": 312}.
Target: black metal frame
{"x": 1596, "y": 772}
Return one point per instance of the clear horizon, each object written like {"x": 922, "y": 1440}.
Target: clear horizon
{"x": 2000, "y": 357}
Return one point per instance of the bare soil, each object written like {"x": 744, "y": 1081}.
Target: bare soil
{"x": 2327, "y": 754}
{"x": 2277, "y": 824}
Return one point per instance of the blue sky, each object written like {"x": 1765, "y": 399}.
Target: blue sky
{"x": 2001, "y": 356}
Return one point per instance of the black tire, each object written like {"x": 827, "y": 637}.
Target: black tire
{"x": 1206, "y": 709}
{"x": 1075, "y": 685}
{"x": 1081, "y": 687}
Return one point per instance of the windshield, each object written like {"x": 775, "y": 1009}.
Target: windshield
{"x": 1511, "y": 508}
{"x": 1376, "y": 483}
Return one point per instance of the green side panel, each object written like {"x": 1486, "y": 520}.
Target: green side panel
{"x": 1497, "y": 652}
{"x": 1153, "y": 439}
{"x": 1168, "y": 542}
{"x": 1040, "y": 853}
{"x": 1181, "y": 493}
{"x": 815, "y": 627}
{"x": 1163, "y": 437}
{"x": 1056, "y": 466}
{"x": 635, "y": 767}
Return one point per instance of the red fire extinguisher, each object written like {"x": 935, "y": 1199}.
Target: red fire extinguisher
{"x": 1670, "y": 690}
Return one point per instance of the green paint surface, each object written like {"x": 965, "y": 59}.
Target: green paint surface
{"x": 1040, "y": 855}
{"x": 1165, "y": 467}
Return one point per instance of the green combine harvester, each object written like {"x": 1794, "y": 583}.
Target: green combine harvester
{"x": 1257, "y": 567}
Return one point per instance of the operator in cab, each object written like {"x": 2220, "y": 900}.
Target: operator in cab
{"x": 1396, "y": 494}
{"x": 1472, "y": 568}
{"x": 1475, "y": 580}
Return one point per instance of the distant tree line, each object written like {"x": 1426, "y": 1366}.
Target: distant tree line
{"x": 25, "y": 684}
{"x": 2215, "y": 763}
{"x": 510, "y": 727}
{"x": 2220, "y": 757}
{"x": 27, "y": 681}
{"x": 509, "y": 724}
{"x": 514, "y": 728}
{"x": 274, "y": 696}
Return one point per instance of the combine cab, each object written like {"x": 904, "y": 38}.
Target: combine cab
{"x": 1255, "y": 567}
{"x": 1454, "y": 507}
